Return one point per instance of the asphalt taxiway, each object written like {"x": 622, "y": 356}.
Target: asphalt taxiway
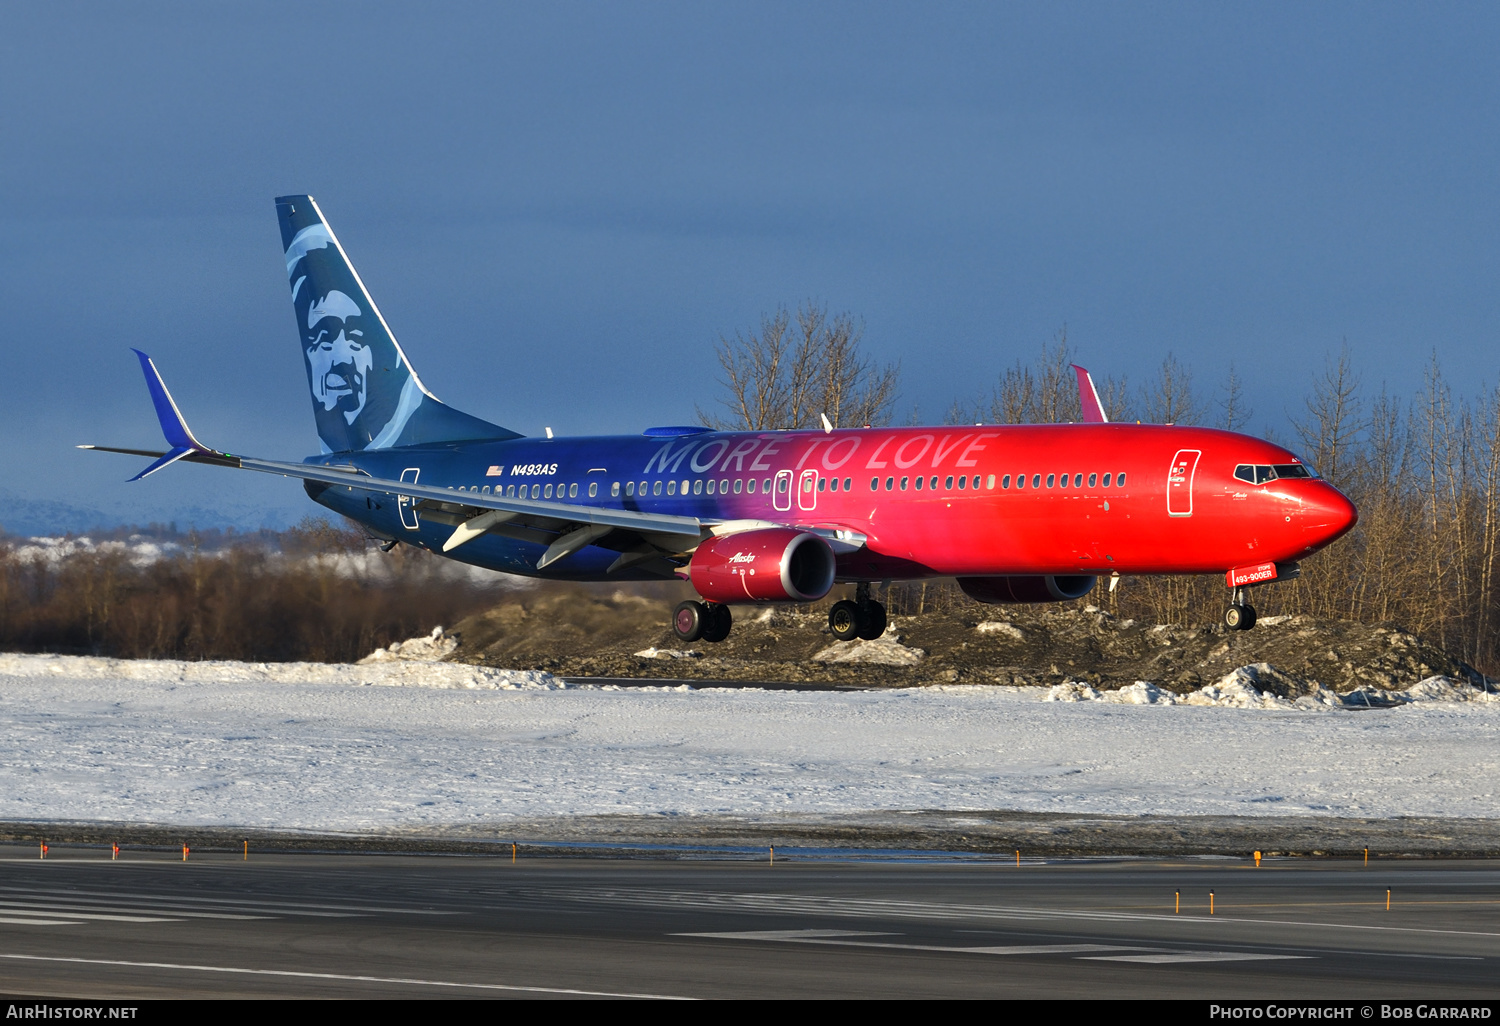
{"x": 381, "y": 926}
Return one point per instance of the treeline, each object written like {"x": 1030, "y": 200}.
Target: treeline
{"x": 1423, "y": 468}
{"x": 316, "y": 592}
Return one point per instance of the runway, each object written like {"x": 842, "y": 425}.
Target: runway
{"x": 150, "y": 925}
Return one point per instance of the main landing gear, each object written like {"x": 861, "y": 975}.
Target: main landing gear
{"x": 709, "y": 621}
{"x": 862, "y": 618}
{"x": 1240, "y": 616}
{"x": 706, "y": 621}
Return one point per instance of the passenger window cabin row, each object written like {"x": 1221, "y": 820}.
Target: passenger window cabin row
{"x": 749, "y": 486}
{"x": 964, "y": 482}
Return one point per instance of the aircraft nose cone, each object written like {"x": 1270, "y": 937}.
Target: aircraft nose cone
{"x": 1328, "y": 514}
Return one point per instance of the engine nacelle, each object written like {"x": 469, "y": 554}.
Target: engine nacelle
{"x": 999, "y": 591}
{"x": 777, "y": 564}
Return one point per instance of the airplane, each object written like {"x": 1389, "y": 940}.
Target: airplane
{"x": 1016, "y": 513}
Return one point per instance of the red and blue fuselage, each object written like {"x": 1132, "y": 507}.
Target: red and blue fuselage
{"x": 953, "y": 501}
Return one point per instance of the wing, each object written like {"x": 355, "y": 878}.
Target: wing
{"x": 641, "y": 538}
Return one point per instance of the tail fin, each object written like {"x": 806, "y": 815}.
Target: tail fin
{"x": 366, "y": 394}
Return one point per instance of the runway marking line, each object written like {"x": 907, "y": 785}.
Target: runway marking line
{"x": 871, "y": 908}
{"x": 41, "y": 922}
{"x": 837, "y": 938}
{"x": 1128, "y": 953}
{"x": 404, "y": 981}
{"x": 126, "y": 914}
{"x": 1190, "y": 956}
{"x": 278, "y": 907}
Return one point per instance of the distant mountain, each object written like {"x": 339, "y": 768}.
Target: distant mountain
{"x": 40, "y": 517}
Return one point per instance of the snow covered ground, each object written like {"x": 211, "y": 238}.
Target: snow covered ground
{"x": 412, "y": 745}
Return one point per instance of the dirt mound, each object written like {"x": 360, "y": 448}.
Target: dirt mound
{"x": 589, "y": 633}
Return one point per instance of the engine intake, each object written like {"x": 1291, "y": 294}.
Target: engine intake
{"x": 999, "y": 591}
{"x": 777, "y": 564}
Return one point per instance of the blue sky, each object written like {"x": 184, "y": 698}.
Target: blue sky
{"x": 561, "y": 207}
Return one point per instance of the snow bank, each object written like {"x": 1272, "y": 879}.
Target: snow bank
{"x": 668, "y": 653}
{"x": 301, "y": 746}
{"x": 427, "y": 649}
{"x": 393, "y": 673}
{"x": 1262, "y": 686}
{"x": 885, "y": 650}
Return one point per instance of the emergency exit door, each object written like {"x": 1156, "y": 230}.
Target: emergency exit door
{"x": 1180, "y": 482}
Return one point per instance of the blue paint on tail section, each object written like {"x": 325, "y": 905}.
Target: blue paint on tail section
{"x": 366, "y": 394}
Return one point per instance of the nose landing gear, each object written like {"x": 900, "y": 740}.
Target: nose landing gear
{"x": 1240, "y": 616}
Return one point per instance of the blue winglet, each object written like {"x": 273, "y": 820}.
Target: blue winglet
{"x": 173, "y": 426}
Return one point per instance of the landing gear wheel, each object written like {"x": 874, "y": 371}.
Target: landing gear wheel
{"x": 719, "y": 621}
{"x": 845, "y": 620}
{"x": 689, "y": 620}
{"x": 873, "y": 625}
{"x": 1239, "y": 617}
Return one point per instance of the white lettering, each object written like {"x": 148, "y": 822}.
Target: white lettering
{"x": 974, "y": 446}
{"x": 769, "y": 450}
{"x": 742, "y": 450}
{"x": 944, "y": 448}
{"x": 699, "y": 464}
{"x": 830, "y": 463}
{"x": 902, "y": 461}
{"x": 872, "y": 465}
{"x": 661, "y": 455}
{"x": 816, "y": 442}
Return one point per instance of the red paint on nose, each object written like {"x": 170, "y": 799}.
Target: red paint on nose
{"x": 1328, "y": 514}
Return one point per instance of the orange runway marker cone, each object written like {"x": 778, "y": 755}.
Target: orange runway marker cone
{"x": 1210, "y": 902}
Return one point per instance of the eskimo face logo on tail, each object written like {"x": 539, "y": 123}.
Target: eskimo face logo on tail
{"x": 355, "y": 373}
{"x": 338, "y": 358}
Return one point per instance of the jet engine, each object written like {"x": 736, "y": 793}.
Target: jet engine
{"x": 777, "y": 564}
{"x": 999, "y": 591}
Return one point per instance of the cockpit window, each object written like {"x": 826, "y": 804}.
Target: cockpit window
{"x": 1261, "y": 474}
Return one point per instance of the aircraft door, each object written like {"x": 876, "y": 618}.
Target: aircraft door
{"x": 807, "y": 490}
{"x": 405, "y": 503}
{"x": 781, "y": 498}
{"x": 1180, "y": 482}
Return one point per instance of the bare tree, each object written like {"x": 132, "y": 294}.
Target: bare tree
{"x": 790, "y": 376}
{"x": 1236, "y": 413}
{"x": 1169, "y": 399}
{"x": 1333, "y": 415}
